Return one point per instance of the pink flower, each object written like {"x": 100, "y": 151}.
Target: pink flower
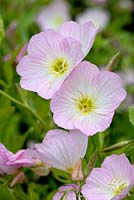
{"x": 5, "y": 156}
{"x": 110, "y": 182}
{"x": 53, "y": 55}
{"x": 53, "y": 15}
{"x": 69, "y": 192}
{"x": 64, "y": 151}
{"x": 87, "y": 99}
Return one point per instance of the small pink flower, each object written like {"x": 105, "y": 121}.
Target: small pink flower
{"x": 53, "y": 55}
{"x": 110, "y": 182}
{"x": 64, "y": 151}
{"x": 53, "y": 15}
{"x": 87, "y": 99}
{"x": 5, "y": 156}
{"x": 69, "y": 192}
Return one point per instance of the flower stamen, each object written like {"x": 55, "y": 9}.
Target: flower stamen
{"x": 59, "y": 66}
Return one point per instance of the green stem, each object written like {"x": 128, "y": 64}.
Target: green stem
{"x": 12, "y": 99}
{"x": 24, "y": 105}
{"x": 60, "y": 179}
{"x": 96, "y": 148}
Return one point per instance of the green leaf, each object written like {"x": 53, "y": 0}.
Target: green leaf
{"x": 2, "y": 32}
{"x": 131, "y": 115}
{"x": 117, "y": 146}
{"x": 91, "y": 163}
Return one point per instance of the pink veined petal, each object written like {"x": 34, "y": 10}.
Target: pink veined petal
{"x": 96, "y": 185}
{"x": 94, "y": 123}
{"x": 5, "y": 156}
{"x": 58, "y": 196}
{"x": 70, "y": 196}
{"x": 22, "y": 158}
{"x": 108, "y": 92}
{"x": 84, "y": 33}
{"x": 119, "y": 166}
{"x": 61, "y": 149}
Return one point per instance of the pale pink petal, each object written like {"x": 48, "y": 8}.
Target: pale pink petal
{"x": 119, "y": 166}
{"x": 63, "y": 189}
{"x": 61, "y": 149}
{"x": 96, "y": 185}
{"x": 108, "y": 92}
{"x": 93, "y": 123}
{"x": 5, "y": 156}
{"x": 84, "y": 33}
{"x": 22, "y": 158}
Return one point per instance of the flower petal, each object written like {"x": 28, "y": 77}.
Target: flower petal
{"x": 61, "y": 149}
{"x": 84, "y": 33}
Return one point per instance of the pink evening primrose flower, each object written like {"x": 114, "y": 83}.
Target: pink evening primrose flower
{"x": 64, "y": 151}
{"x": 53, "y": 55}
{"x": 87, "y": 99}
{"x": 110, "y": 182}
{"x": 68, "y": 192}
{"x": 53, "y": 15}
{"x": 5, "y": 156}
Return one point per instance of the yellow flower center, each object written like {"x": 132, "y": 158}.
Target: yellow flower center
{"x": 85, "y": 105}
{"x": 118, "y": 190}
{"x": 70, "y": 170}
{"x": 59, "y": 66}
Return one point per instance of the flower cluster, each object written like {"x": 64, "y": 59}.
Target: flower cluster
{"x": 83, "y": 100}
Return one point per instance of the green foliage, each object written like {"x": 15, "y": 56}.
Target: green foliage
{"x": 2, "y": 32}
{"x": 131, "y": 115}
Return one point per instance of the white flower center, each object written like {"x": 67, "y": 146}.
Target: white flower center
{"x": 117, "y": 185}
